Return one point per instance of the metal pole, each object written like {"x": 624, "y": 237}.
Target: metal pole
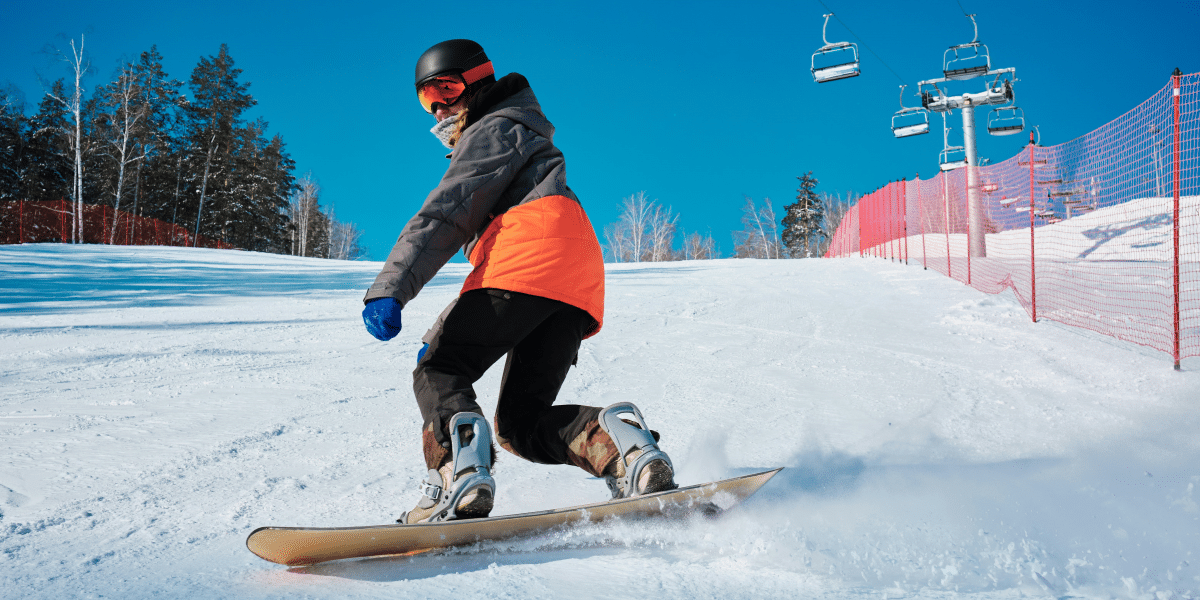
{"x": 873, "y": 211}
{"x": 904, "y": 215}
{"x": 971, "y": 230}
{"x": 874, "y": 226}
{"x": 1032, "y": 245}
{"x": 1175, "y": 214}
{"x": 891, "y": 207}
{"x": 895, "y": 196}
{"x": 921, "y": 222}
{"x": 974, "y": 204}
{"x": 946, "y": 202}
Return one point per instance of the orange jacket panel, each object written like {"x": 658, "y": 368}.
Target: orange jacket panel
{"x": 546, "y": 248}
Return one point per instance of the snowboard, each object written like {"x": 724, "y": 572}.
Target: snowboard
{"x": 294, "y": 546}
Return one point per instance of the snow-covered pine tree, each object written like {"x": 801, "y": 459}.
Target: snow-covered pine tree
{"x": 45, "y": 163}
{"x": 161, "y": 138}
{"x": 12, "y": 142}
{"x": 802, "y": 220}
{"x": 214, "y": 112}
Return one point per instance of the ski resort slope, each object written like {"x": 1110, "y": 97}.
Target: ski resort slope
{"x": 157, "y": 404}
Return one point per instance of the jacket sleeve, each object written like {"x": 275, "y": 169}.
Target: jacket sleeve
{"x": 486, "y": 160}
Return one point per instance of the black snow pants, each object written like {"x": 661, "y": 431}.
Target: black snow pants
{"x": 541, "y": 338}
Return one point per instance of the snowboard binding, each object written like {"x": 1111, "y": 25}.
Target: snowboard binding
{"x": 640, "y": 467}
{"x": 462, "y": 488}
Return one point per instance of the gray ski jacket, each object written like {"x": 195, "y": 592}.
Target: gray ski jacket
{"x": 506, "y": 185}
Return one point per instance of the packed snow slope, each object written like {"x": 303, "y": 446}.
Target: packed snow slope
{"x": 157, "y": 404}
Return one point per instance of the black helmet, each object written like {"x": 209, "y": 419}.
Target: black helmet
{"x": 459, "y": 57}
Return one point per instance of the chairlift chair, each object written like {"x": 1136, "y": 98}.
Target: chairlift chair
{"x": 1006, "y": 120}
{"x": 953, "y": 157}
{"x": 832, "y": 62}
{"x": 967, "y": 61}
{"x": 909, "y": 120}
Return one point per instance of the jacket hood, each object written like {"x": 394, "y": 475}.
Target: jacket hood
{"x": 511, "y": 98}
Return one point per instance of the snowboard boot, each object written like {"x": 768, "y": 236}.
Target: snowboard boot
{"x": 462, "y": 488}
{"x": 640, "y": 466}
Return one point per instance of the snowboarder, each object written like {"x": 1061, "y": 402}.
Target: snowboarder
{"x": 536, "y": 291}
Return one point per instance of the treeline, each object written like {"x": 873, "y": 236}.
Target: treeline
{"x": 647, "y": 232}
{"x": 142, "y": 145}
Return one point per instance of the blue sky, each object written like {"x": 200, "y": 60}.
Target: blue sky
{"x": 698, "y": 104}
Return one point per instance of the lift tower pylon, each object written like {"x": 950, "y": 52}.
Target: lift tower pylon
{"x": 999, "y": 91}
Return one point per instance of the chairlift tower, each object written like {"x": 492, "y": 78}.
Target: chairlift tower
{"x": 961, "y": 63}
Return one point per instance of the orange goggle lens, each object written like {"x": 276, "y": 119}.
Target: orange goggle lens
{"x": 440, "y": 91}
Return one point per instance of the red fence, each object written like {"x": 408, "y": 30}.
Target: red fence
{"x": 32, "y": 222}
{"x": 1102, "y": 232}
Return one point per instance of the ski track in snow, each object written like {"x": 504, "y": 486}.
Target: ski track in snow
{"x": 158, "y": 404}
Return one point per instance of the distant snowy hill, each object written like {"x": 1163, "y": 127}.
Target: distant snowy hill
{"x": 160, "y": 403}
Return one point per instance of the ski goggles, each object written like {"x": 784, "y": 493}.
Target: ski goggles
{"x": 440, "y": 90}
{"x": 447, "y": 89}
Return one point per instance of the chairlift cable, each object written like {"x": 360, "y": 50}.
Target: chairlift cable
{"x": 860, "y": 40}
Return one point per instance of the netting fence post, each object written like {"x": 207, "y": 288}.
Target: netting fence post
{"x": 972, "y": 230}
{"x": 894, "y": 208}
{"x": 871, "y": 226}
{"x": 21, "y": 221}
{"x": 885, "y": 196}
{"x": 895, "y": 204}
{"x": 946, "y": 225}
{"x": 1175, "y": 212}
{"x": 921, "y": 222}
{"x": 904, "y": 215}
{"x": 1032, "y": 245}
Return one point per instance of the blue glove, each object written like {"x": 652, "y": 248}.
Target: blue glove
{"x": 382, "y": 317}
{"x": 421, "y": 352}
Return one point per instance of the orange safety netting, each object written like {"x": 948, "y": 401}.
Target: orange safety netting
{"x": 1102, "y": 232}
{"x": 50, "y": 221}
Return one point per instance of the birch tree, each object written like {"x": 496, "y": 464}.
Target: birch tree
{"x": 73, "y": 103}
{"x": 759, "y": 237}
{"x": 122, "y": 124}
{"x": 661, "y": 228}
{"x": 635, "y": 219}
{"x": 698, "y": 247}
{"x": 617, "y": 242}
{"x": 302, "y": 204}
{"x": 834, "y": 210}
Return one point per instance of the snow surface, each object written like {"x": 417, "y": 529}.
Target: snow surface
{"x": 157, "y": 404}
{"x": 1135, "y": 231}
